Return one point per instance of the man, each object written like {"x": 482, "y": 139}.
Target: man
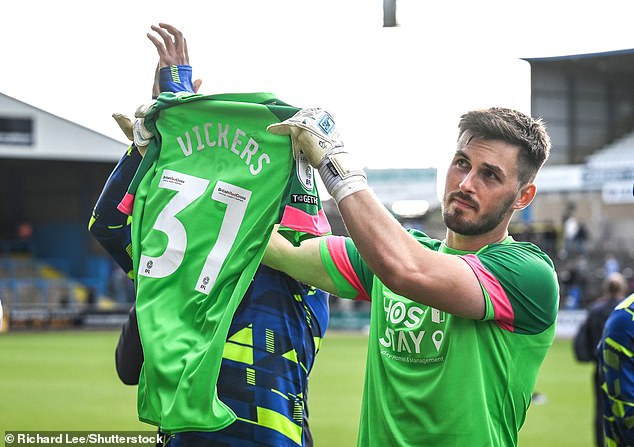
{"x": 589, "y": 336}
{"x": 276, "y": 331}
{"x": 459, "y": 327}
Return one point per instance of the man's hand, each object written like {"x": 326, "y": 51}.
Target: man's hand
{"x": 173, "y": 49}
{"x": 173, "y": 72}
{"x": 314, "y": 133}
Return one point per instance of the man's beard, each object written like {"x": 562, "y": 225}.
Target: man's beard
{"x": 458, "y": 224}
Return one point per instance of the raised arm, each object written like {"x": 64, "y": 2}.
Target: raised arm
{"x": 443, "y": 281}
{"x": 107, "y": 224}
{"x": 174, "y": 73}
{"x": 302, "y": 262}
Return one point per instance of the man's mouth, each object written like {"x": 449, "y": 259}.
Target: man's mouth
{"x": 461, "y": 202}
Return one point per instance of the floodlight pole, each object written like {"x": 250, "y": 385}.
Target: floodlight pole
{"x": 389, "y": 13}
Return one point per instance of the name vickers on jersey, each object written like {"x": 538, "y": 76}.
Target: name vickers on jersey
{"x": 218, "y": 135}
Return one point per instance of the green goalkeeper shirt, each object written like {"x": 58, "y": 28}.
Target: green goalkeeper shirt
{"x": 207, "y": 195}
{"x": 436, "y": 379}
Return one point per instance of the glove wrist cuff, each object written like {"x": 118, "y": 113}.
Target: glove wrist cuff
{"x": 341, "y": 176}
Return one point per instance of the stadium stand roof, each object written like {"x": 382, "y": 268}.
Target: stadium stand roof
{"x": 28, "y": 132}
{"x": 612, "y": 63}
{"x": 587, "y": 102}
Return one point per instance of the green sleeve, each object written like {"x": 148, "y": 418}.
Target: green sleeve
{"x": 351, "y": 276}
{"x": 529, "y": 281}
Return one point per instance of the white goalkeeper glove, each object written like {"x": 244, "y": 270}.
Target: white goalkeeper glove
{"x": 125, "y": 124}
{"x": 136, "y": 131}
{"x": 142, "y": 136}
{"x": 314, "y": 133}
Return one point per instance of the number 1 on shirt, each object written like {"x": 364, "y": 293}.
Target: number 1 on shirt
{"x": 236, "y": 199}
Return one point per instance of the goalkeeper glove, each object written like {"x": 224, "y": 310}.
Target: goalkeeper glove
{"x": 142, "y": 135}
{"x": 125, "y": 124}
{"x": 314, "y": 133}
{"x": 134, "y": 131}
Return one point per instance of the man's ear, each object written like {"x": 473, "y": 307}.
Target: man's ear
{"x": 526, "y": 196}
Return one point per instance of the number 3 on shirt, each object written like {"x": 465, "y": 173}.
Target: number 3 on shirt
{"x": 189, "y": 188}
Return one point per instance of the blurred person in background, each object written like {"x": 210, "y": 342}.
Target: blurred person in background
{"x": 276, "y": 331}
{"x": 588, "y": 336}
{"x": 574, "y": 277}
{"x": 611, "y": 265}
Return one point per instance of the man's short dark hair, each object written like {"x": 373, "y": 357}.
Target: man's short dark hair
{"x": 512, "y": 127}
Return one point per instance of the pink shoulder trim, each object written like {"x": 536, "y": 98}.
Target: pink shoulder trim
{"x": 502, "y": 308}
{"x": 299, "y": 220}
{"x": 339, "y": 255}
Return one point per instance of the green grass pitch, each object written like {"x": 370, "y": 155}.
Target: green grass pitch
{"x": 64, "y": 381}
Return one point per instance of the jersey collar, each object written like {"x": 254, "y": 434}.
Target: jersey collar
{"x": 444, "y": 248}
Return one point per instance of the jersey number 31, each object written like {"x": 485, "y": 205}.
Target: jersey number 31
{"x": 189, "y": 188}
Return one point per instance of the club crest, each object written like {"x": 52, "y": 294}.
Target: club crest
{"x": 305, "y": 172}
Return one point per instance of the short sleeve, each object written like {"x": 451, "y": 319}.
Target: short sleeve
{"x": 350, "y": 274}
{"x": 520, "y": 285}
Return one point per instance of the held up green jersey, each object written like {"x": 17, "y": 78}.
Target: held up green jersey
{"x": 435, "y": 379}
{"x": 207, "y": 195}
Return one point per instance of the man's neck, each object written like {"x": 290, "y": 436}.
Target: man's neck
{"x": 474, "y": 243}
